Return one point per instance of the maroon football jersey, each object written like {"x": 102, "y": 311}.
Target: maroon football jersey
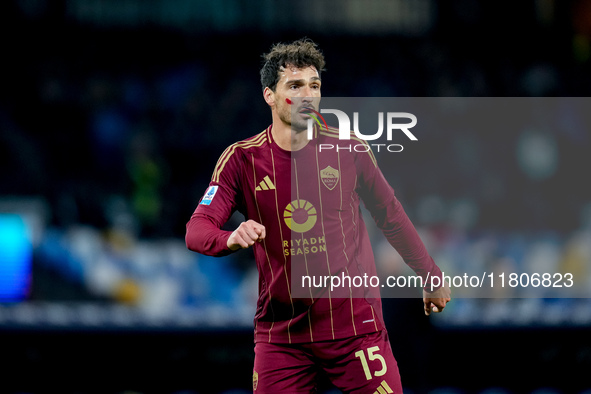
{"x": 309, "y": 203}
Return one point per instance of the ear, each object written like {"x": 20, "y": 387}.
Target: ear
{"x": 269, "y": 96}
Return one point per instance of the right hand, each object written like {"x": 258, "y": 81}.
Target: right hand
{"x": 246, "y": 235}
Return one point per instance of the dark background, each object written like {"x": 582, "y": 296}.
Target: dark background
{"x": 113, "y": 114}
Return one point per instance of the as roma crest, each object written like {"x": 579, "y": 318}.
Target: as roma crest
{"x": 330, "y": 177}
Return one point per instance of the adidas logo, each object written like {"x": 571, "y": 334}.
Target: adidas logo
{"x": 265, "y": 184}
{"x": 383, "y": 388}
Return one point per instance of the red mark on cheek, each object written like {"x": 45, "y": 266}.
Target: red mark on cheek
{"x": 288, "y": 101}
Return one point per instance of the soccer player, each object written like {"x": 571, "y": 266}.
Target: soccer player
{"x": 303, "y": 206}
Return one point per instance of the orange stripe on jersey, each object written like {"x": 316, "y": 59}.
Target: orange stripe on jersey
{"x": 258, "y": 140}
{"x": 266, "y": 252}
{"x": 282, "y": 243}
{"x": 295, "y": 168}
{"x": 326, "y": 250}
{"x": 344, "y": 241}
{"x": 374, "y": 318}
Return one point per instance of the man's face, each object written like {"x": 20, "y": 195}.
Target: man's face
{"x": 302, "y": 87}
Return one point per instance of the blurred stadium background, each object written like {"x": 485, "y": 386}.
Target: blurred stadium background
{"x": 114, "y": 112}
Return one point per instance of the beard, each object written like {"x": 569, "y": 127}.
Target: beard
{"x": 295, "y": 118}
{"x": 299, "y": 123}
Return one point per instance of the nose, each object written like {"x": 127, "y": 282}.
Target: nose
{"x": 307, "y": 94}
{"x": 307, "y": 98}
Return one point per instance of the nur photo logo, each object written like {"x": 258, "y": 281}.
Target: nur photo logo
{"x": 344, "y": 129}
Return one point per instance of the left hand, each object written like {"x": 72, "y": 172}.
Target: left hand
{"x": 436, "y": 300}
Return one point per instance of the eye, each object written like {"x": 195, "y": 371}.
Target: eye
{"x": 293, "y": 87}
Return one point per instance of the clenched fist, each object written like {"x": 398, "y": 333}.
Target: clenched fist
{"x": 246, "y": 235}
{"x": 436, "y": 300}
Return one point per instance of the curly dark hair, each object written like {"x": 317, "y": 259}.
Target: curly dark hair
{"x": 300, "y": 53}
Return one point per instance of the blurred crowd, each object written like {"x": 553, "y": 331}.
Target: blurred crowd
{"x": 117, "y": 132}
